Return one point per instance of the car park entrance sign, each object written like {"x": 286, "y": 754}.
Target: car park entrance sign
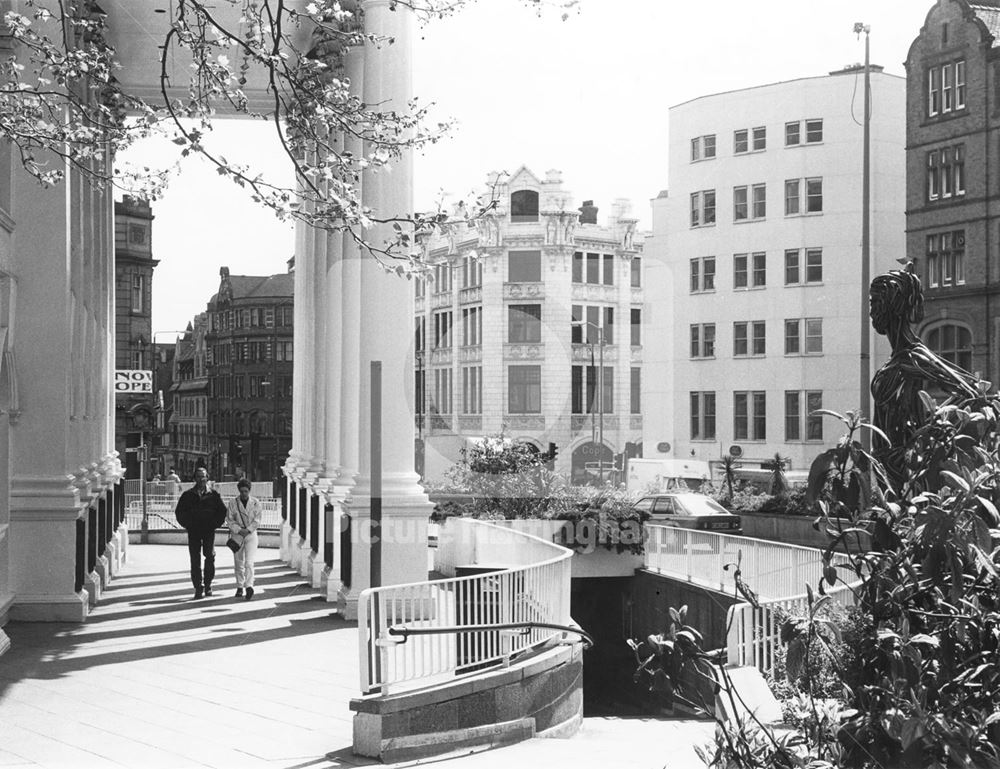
{"x": 133, "y": 381}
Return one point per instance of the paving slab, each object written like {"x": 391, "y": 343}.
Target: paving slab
{"x": 156, "y": 680}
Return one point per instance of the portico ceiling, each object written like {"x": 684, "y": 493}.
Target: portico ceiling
{"x": 137, "y": 29}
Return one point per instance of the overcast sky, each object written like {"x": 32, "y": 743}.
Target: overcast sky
{"x": 588, "y": 96}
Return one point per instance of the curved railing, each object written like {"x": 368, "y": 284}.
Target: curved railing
{"x": 776, "y": 572}
{"x": 494, "y": 576}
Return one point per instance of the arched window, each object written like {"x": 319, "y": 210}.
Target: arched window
{"x": 953, "y": 343}
{"x": 524, "y": 206}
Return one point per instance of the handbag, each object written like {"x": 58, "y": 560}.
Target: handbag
{"x": 235, "y": 541}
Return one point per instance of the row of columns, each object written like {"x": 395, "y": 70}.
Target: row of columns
{"x": 350, "y": 312}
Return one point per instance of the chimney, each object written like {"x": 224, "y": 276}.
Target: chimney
{"x": 588, "y": 212}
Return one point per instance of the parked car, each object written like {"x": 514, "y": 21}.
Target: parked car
{"x": 686, "y": 510}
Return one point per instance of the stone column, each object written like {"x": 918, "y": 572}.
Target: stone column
{"x": 386, "y": 307}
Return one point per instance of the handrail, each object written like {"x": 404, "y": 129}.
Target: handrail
{"x": 405, "y": 632}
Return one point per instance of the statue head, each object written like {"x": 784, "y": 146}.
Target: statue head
{"x": 894, "y": 297}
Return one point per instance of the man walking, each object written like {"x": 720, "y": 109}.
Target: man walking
{"x": 200, "y": 510}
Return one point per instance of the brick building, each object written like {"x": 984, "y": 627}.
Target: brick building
{"x": 249, "y": 364}
{"x": 134, "y": 350}
{"x": 188, "y": 425}
{"x": 953, "y": 180}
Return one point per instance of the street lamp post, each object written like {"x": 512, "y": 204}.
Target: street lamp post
{"x": 600, "y": 390}
{"x": 419, "y": 354}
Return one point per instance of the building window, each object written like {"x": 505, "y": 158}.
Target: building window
{"x": 759, "y": 194}
{"x": 741, "y": 347}
{"x": 524, "y": 323}
{"x": 813, "y": 266}
{"x": 741, "y": 141}
{"x": 814, "y": 131}
{"x": 703, "y": 274}
{"x": 759, "y": 274}
{"x": 793, "y": 415}
{"x": 524, "y": 389}
{"x": 442, "y": 278}
{"x": 703, "y": 147}
{"x": 138, "y": 292}
{"x": 759, "y": 139}
{"x": 524, "y": 206}
{"x": 472, "y": 390}
{"x": 702, "y": 208}
{"x": 472, "y": 272}
{"x": 953, "y": 343}
{"x": 635, "y": 326}
{"x": 442, "y": 402}
{"x": 584, "y": 388}
{"x": 946, "y": 259}
{"x": 945, "y": 88}
{"x": 749, "y": 338}
{"x": 702, "y": 340}
{"x": 792, "y": 194}
{"x": 138, "y": 359}
{"x": 750, "y": 415}
{"x": 792, "y": 133}
{"x": 635, "y": 391}
{"x": 740, "y": 212}
{"x": 813, "y": 343}
{"x": 472, "y": 326}
{"x": 419, "y": 333}
{"x": 594, "y": 268}
{"x": 635, "y": 272}
{"x": 591, "y": 323}
{"x": 759, "y": 329}
{"x": 442, "y": 329}
{"x": 703, "y": 416}
{"x": 946, "y": 172}
{"x": 814, "y": 196}
{"x": 740, "y": 276}
{"x": 524, "y": 267}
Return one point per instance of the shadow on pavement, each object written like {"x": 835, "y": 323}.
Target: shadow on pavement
{"x": 133, "y": 622}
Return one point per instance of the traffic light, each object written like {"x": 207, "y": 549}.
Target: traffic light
{"x": 550, "y": 457}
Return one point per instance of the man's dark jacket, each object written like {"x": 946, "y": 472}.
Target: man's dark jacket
{"x": 200, "y": 513}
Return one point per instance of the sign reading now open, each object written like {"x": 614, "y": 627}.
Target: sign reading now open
{"x": 133, "y": 381}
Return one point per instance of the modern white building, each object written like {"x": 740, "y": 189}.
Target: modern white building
{"x": 754, "y": 266}
{"x": 513, "y": 325}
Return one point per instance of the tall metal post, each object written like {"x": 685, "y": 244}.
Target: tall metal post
{"x": 864, "y": 384}
{"x": 375, "y": 573}
{"x": 600, "y": 404}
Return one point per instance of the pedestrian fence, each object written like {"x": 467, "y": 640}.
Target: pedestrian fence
{"x": 133, "y": 488}
{"x": 515, "y": 598}
{"x": 778, "y": 573}
{"x": 160, "y": 511}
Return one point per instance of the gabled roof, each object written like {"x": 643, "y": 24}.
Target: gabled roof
{"x": 988, "y": 12}
{"x": 259, "y": 286}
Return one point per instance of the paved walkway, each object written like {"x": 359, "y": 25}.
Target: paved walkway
{"x": 158, "y": 681}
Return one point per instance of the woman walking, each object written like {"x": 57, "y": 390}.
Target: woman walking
{"x": 243, "y": 515}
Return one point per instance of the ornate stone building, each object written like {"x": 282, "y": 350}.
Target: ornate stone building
{"x": 249, "y": 350}
{"x": 188, "y": 425}
{"x": 513, "y": 324}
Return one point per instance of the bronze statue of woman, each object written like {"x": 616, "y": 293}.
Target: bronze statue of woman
{"x": 896, "y": 303}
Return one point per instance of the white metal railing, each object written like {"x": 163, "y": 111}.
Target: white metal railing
{"x": 771, "y": 569}
{"x": 754, "y": 632}
{"x": 529, "y": 582}
{"x": 778, "y": 573}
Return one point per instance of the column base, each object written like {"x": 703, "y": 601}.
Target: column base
{"x": 295, "y": 552}
{"x": 103, "y": 571}
{"x": 122, "y": 541}
{"x": 50, "y": 608}
{"x": 92, "y": 584}
{"x": 114, "y": 557}
{"x": 330, "y": 586}
{"x": 347, "y": 604}
{"x": 319, "y": 568}
{"x": 284, "y": 542}
{"x": 306, "y": 557}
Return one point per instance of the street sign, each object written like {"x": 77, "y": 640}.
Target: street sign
{"x": 133, "y": 381}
